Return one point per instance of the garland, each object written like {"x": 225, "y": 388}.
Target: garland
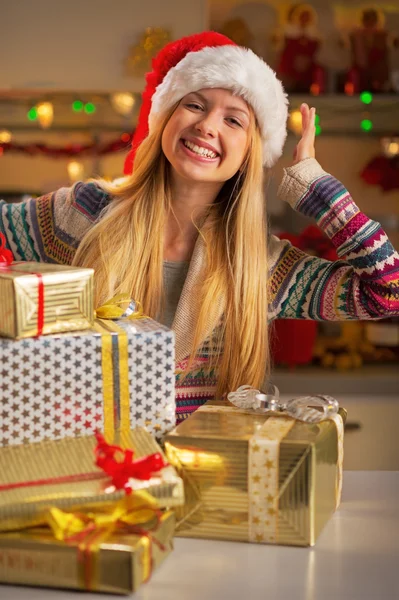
{"x": 71, "y": 150}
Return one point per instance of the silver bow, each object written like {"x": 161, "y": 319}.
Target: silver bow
{"x": 310, "y": 409}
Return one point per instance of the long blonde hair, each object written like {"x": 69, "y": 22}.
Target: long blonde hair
{"x": 125, "y": 248}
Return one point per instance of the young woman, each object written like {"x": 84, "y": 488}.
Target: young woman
{"x": 186, "y": 232}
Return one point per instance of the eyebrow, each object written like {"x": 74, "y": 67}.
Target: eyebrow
{"x": 235, "y": 108}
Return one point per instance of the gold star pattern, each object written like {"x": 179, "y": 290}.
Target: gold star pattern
{"x": 263, "y": 479}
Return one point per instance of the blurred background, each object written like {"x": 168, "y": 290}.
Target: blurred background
{"x": 71, "y": 75}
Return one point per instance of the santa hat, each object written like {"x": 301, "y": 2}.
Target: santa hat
{"x": 211, "y": 60}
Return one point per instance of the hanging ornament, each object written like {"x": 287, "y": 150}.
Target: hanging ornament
{"x": 45, "y": 114}
{"x": 152, "y": 40}
{"x": 5, "y": 136}
{"x": 75, "y": 171}
{"x": 383, "y": 169}
{"x": 123, "y": 103}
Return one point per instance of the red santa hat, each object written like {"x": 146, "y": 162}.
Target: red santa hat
{"x": 211, "y": 60}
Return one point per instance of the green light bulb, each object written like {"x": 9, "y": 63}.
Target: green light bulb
{"x": 77, "y": 105}
{"x": 89, "y": 108}
{"x": 366, "y": 125}
{"x": 32, "y": 114}
{"x": 318, "y": 130}
{"x": 366, "y": 97}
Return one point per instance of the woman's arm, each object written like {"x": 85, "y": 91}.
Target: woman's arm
{"x": 50, "y": 228}
{"x": 363, "y": 285}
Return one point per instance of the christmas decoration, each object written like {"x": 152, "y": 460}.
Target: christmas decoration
{"x": 370, "y": 44}
{"x": 123, "y": 103}
{"x": 45, "y": 114}
{"x": 383, "y": 169}
{"x": 120, "y": 144}
{"x": 299, "y": 41}
{"x": 151, "y": 41}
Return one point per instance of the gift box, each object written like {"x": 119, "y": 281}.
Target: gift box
{"x": 64, "y": 474}
{"x": 40, "y": 298}
{"x": 256, "y": 476}
{"x": 119, "y": 564}
{"x": 116, "y": 375}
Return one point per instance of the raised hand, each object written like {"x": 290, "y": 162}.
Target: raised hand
{"x": 305, "y": 147}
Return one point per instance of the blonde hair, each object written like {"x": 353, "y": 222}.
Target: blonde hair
{"x": 125, "y": 248}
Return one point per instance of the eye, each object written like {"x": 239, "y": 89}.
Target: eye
{"x": 234, "y": 121}
{"x": 194, "y": 106}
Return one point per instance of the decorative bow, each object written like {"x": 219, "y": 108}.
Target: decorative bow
{"x": 136, "y": 514}
{"x": 121, "y": 471}
{"x": 119, "y": 307}
{"x": 127, "y": 516}
{"x": 6, "y": 256}
{"x": 310, "y": 409}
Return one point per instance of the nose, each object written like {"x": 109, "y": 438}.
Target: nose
{"x": 207, "y": 125}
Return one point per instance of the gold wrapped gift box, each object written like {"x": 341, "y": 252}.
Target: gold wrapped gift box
{"x": 40, "y": 298}
{"x": 256, "y": 477}
{"x": 119, "y": 566}
{"x": 62, "y": 473}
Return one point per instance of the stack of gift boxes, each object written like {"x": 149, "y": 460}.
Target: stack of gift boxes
{"x": 88, "y": 499}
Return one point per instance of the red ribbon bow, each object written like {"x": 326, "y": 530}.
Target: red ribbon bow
{"x": 6, "y": 256}
{"x": 121, "y": 471}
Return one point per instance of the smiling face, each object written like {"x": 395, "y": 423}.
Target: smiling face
{"x": 206, "y": 138}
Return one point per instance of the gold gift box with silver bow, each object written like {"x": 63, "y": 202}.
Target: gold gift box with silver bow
{"x": 256, "y": 477}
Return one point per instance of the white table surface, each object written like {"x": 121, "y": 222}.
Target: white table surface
{"x": 355, "y": 558}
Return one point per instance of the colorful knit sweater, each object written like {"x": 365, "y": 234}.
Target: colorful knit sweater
{"x": 363, "y": 284}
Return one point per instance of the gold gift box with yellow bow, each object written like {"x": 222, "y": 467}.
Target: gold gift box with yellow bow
{"x": 39, "y": 298}
{"x": 254, "y": 477}
{"x": 117, "y": 563}
{"x": 63, "y": 474}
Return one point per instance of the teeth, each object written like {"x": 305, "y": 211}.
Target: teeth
{"x": 199, "y": 150}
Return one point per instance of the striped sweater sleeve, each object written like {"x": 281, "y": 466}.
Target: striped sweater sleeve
{"x": 50, "y": 228}
{"x": 362, "y": 284}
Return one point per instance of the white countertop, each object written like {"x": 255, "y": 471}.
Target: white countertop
{"x": 355, "y": 558}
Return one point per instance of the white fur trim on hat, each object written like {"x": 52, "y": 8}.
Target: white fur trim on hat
{"x": 236, "y": 69}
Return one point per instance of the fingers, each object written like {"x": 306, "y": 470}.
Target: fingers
{"x": 305, "y": 116}
{"x": 308, "y": 122}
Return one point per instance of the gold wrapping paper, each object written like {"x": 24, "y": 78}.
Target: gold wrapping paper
{"x": 43, "y": 461}
{"x": 256, "y": 477}
{"x": 67, "y": 299}
{"x": 34, "y": 557}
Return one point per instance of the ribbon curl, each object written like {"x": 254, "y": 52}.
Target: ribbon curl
{"x": 310, "y": 409}
{"x": 120, "y": 471}
{"x": 119, "y": 307}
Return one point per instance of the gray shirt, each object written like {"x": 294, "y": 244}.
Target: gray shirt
{"x": 174, "y": 276}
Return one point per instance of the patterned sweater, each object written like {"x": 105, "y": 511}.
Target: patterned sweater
{"x": 363, "y": 284}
